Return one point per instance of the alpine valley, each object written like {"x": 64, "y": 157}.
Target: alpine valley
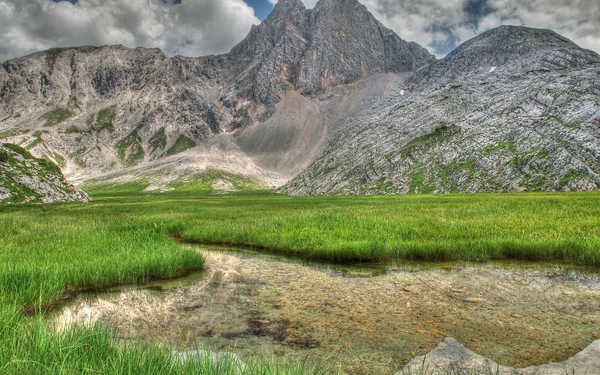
{"x": 317, "y": 101}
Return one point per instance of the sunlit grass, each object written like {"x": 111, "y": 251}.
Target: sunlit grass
{"x": 48, "y": 250}
{"x": 544, "y": 227}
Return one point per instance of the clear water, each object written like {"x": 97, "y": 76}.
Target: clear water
{"x": 367, "y": 319}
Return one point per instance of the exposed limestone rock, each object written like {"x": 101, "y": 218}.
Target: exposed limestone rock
{"x": 24, "y": 178}
{"x": 452, "y": 357}
{"x": 327, "y": 97}
{"x": 507, "y": 50}
{"x": 335, "y": 43}
{"x": 482, "y": 119}
{"x": 105, "y": 109}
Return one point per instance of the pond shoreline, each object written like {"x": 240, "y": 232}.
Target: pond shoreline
{"x": 292, "y": 308}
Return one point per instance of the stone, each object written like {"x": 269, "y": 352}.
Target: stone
{"x": 474, "y": 300}
{"x": 451, "y": 356}
{"x": 461, "y": 129}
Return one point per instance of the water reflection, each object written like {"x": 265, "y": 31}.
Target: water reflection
{"x": 370, "y": 319}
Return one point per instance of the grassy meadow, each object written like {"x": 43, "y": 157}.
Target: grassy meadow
{"x": 125, "y": 236}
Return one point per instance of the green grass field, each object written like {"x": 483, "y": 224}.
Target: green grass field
{"x": 129, "y": 236}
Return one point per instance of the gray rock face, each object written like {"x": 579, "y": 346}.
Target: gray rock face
{"x": 24, "y": 178}
{"x": 100, "y": 110}
{"x": 507, "y": 50}
{"x": 335, "y": 43}
{"x": 452, "y": 357}
{"x": 482, "y": 119}
{"x": 328, "y": 96}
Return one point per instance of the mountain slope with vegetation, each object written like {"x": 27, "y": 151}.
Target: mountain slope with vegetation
{"x": 483, "y": 119}
{"x": 25, "y": 179}
{"x": 324, "y": 101}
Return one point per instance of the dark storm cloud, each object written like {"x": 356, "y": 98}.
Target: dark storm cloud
{"x": 190, "y": 27}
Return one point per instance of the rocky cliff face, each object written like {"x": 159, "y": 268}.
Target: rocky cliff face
{"x": 24, "y": 178}
{"x": 514, "y": 109}
{"x": 328, "y": 96}
{"x": 106, "y": 110}
{"x": 337, "y": 42}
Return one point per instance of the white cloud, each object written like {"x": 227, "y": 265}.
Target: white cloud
{"x": 432, "y": 23}
{"x": 200, "y": 27}
{"x": 192, "y": 28}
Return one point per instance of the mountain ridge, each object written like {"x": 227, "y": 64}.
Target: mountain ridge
{"x": 503, "y": 126}
{"x": 303, "y": 87}
{"x": 115, "y": 108}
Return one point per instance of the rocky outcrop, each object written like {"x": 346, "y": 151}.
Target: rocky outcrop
{"x": 335, "y": 43}
{"x": 514, "y": 109}
{"x": 452, "y": 357}
{"x": 111, "y": 108}
{"x": 24, "y": 179}
{"x": 506, "y": 50}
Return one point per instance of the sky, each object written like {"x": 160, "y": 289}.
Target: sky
{"x": 203, "y": 27}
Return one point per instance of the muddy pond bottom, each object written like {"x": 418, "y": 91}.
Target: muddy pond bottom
{"x": 364, "y": 320}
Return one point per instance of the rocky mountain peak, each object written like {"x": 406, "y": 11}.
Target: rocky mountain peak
{"x": 508, "y": 50}
{"x": 336, "y": 42}
{"x": 328, "y": 4}
{"x": 286, "y": 7}
{"x": 514, "y": 108}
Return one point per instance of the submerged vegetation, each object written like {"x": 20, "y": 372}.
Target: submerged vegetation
{"x": 49, "y": 251}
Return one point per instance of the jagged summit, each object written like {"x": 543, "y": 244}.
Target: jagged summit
{"x": 284, "y": 6}
{"x": 508, "y": 49}
{"x": 336, "y": 42}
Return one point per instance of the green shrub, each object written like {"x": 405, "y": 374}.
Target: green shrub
{"x": 56, "y": 116}
{"x": 182, "y": 144}
{"x": 105, "y": 119}
{"x": 4, "y": 156}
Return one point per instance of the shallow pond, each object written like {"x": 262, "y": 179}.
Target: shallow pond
{"x": 369, "y": 319}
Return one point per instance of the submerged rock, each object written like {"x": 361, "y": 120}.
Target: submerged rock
{"x": 452, "y": 356}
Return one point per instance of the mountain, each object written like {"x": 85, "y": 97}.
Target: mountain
{"x": 266, "y": 109}
{"x": 513, "y": 109}
{"x": 24, "y": 178}
{"x": 337, "y": 42}
{"x": 317, "y": 101}
{"x": 509, "y": 50}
